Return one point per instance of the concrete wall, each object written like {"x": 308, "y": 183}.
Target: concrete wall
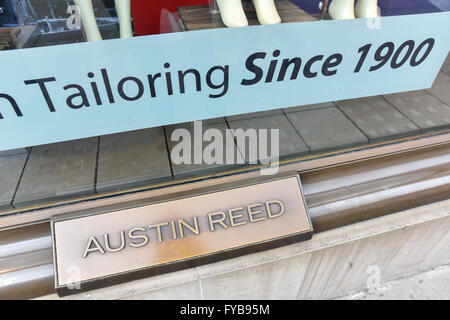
{"x": 349, "y": 262}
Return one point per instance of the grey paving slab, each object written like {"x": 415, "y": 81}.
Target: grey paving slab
{"x": 57, "y": 171}
{"x": 441, "y": 88}
{"x": 290, "y": 143}
{"x": 309, "y": 107}
{"x": 132, "y": 159}
{"x": 208, "y": 121}
{"x": 10, "y": 170}
{"x": 213, "y": 121}
{"x": 446, "y": 67}
{"x": 254, "y": 115}
{"x": 326, "y": 129}
{"x": 187, "y": 167}
{"x": 422, "y": 108}
{"x": 377, "y": 118}
{"x": 13, "y": 152}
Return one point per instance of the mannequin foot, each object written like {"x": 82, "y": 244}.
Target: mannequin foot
{"x": 266, "y": 11}
{"x": 232, "y": 13}
{"x": 367, "y": 9}
{"x": 342, "y": 9}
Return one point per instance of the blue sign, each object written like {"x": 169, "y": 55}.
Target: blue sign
{"x": 82, "y": 90}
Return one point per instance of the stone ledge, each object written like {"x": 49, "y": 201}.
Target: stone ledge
{"x": 332, "y": 264}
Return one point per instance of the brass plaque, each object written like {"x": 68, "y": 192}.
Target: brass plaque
{"x": 109, "y": 247}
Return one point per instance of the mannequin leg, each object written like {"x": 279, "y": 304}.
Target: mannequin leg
{"x": 88, "y": 19}
{"x": 232, "y": 13}
{"x": 124, "y": 14}
{"x": 266, "y": 11}
{"x": 367, "y": 9}
{"x": 342, "y": 9}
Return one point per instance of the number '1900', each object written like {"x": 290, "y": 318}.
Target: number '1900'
{"x": 387, "y": 52}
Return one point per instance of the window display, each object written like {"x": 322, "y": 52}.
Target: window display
{"x": 90, "y": 24}
{"x": 233, "y": 14}
{"x": 346, "y": 9}
{"x": 98, "y": 117}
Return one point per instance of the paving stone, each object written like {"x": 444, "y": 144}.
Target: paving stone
{"x": 208, "y": 121}
{"x": 422, "y": 108}
{"x": 290, "y": 143}
{"x": 13, "y": 152}
{"x": 254, "y": 115}
{"x": 57, "y": 171}
{"x": 309, "y": 107}
{"x": 132, "y": 159}
{"x": 326, "y": 129}
{"x": 10, "y": 170}
{"x": 441, "y": 88}
{"x": 189, "y": 169}
{"x": 377, "y": 118}
{"x": 446, "y": 67}
{"x": 213, "y": 121}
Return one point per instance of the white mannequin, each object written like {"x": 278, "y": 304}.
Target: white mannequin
{"x": 367, "y": 9}
{"x": 342, "y": 9}
{"x": 233, "y": 14}
{"x": 266, "y": 11}
{"x": 88, "y": 19}
{"x": 90, "y": 24}
{"x": 123, "y": 9}
{"x": 345, "y": 9}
